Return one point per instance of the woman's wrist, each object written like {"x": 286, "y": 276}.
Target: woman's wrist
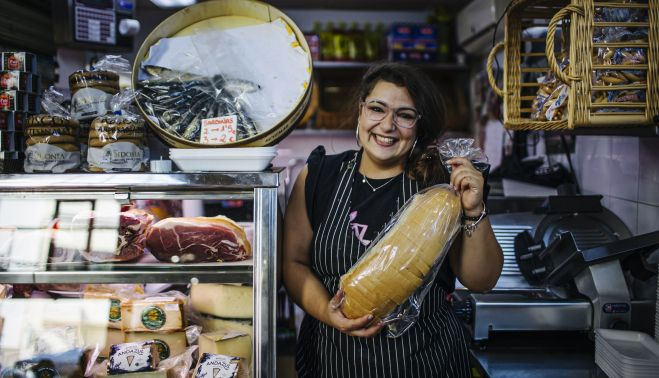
{"x": 469, "y": 223}
{"x": 475, "y": 212}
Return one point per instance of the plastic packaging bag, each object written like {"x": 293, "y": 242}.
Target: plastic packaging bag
{"x": 117, "y": 142}
{"x": 52, "y": 138}
{"x": 551, "y": 99}
{"x": 252, "y": 83}
{"x": 91, "y": 91}
{"x": 463, "y": 147}
{"x": 391, "y": 280}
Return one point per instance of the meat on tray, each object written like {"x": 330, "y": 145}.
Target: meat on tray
{"x": 199, "y": 239}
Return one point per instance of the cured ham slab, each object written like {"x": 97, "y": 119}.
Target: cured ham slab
{"x": 199, "y": 239}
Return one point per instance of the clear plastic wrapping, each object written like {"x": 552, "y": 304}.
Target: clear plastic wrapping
{"x": 51, "y": 138}
{"x": 551, "y": 99}
{"x": 91, "y": 91}
{"x": 196, "y": 91}
{"x": 117, "y": 142}
{"x": 391, "y": 280}
{"x": 466, "y": 148}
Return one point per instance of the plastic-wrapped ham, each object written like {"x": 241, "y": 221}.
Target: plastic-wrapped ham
{"x": 199, "y": 239}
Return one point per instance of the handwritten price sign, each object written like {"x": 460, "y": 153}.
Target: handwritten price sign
{"x": 219, "y": 130}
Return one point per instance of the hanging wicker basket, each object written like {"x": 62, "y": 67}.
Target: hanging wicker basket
{"x": 613, "y": 54}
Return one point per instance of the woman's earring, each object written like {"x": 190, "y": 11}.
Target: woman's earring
{"x": 357, "y": 135}
{"x": 413, "y": 146}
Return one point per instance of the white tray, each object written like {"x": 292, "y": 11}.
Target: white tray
{"x": 224, "y": 164}
{"x": 631, "y": 346}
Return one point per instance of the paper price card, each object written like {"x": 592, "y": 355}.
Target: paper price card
{"x": 219, "y": 130}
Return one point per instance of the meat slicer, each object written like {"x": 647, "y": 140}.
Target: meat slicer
{"x": 574, "y": 266}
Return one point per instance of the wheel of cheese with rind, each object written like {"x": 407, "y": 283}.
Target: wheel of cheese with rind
{"x": 397, "y": 263}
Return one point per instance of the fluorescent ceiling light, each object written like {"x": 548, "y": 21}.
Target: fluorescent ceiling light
{"x": 173, "y": 3}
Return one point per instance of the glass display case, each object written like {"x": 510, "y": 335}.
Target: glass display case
{"x": 65, "y": 237}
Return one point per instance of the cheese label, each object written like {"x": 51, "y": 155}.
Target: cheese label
{"x": 217, "y": 366}
{"x": 163, "y": 349}
{"x": 131, "y": 357}
{"x": 115, "y": 310}
{"x": 153, "y": 317}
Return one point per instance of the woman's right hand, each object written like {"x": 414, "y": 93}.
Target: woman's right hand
{"x": 353, "y": 327}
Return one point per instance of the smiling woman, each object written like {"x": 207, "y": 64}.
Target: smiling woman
{"x": 340, "y": 203}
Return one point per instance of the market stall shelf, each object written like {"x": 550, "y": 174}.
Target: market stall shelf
{"x": 261, "y": 188}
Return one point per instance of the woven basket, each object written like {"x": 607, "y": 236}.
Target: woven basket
{"x": 576, "y": 20}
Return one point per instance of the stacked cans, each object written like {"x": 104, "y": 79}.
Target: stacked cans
{"x": 19, "y": 98}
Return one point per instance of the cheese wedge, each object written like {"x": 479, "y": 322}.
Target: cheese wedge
{"x": 212, "y": 324}
{"x": 227, "y": 342}
{"x": 152, "y": 314}
{"x": 224, "y": 301}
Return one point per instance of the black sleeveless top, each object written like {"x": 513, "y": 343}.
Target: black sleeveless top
{"x": 346, "y": 214}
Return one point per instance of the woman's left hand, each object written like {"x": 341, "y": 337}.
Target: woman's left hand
{"x": 469, "y": 183}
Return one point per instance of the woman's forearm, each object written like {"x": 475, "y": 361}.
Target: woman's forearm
{"x": 306, "y": 290}
{"x": 480, "y": 260}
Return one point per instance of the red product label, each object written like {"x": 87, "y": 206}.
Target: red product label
{"x": 13, "y": 63}
{"x": 5, "y": 100}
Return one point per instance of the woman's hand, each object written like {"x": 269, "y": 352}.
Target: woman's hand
{"x": 353, "y": 327}
{"x": 469, "y": 183}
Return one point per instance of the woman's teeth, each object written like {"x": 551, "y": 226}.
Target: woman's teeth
{"x": 384, "y": 140}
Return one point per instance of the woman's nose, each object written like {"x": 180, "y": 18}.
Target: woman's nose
{"x": 388, "y": 121}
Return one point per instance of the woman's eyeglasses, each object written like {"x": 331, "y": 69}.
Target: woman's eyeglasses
{"x": 402, "y": 117}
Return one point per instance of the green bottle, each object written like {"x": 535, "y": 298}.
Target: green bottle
{"x": 326, "y": 43}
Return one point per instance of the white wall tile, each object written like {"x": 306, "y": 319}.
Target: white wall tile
{"x": 648, "y": 218}
{"x": 648, "y": 184}
{"x": 593, "y": 156}
{"x": 627, "y": 211}
{"x": 623, "y": 171}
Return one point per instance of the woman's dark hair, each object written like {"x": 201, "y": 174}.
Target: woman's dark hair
{"x": 423, "y": 164}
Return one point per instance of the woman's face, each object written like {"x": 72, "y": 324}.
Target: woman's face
{"x": 384, "y": 143}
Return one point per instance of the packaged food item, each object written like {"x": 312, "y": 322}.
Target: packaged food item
{"x": 391, "y": 279}
{"x": 73, "y": 363}
{"x": 227, "y": 342}
{"x": 52, "y": 139}
{"x": 91, "y": 91}
{"x": 118, "y": 142}
{"x": 19, "y": 61}
{"x": 169, "y": 344}
{"x": 223, "y": 300}
{"x": 217, "y": 365}
{"x": 198, "y": 239}
{"x": 133, "y": 226}
{"x": 620, "y": 14}
{"x": 213, "y": 323}
{"x": 21, "y": 101}
{"x": 133, "y": 357}
{"x": 115, "y": 294}
{"x": 620, "y": 56}
{"x": 157, "y": 313}
{"x": 551, "y": 99}
{"x": 17, "y": 80}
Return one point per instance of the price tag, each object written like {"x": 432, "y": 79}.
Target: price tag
{"x": 219, "y": 130}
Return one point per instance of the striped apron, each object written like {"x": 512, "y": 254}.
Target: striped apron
{"x": 434, "y": 347}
